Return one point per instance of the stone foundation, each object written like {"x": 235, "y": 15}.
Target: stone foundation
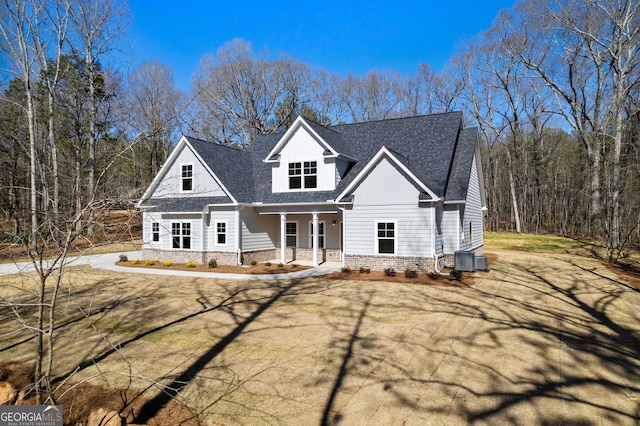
{"x": 258, "y": 256}
{"x": 324, "y": 255}
{"x": 399, "y": 263}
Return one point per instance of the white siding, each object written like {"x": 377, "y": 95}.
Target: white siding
{"x": 147, "y": 238}
{"x": 204, "y": 185}
{"x": 303, "y": 147}
{"x": 473, "y": 212}
{"x": 258, "y": 231}
{"x": 451, "y": 228}
{"x": 228, "y": 216}
{"x": 386, "y": 195}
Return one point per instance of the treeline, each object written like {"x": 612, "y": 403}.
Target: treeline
{"x": 552, "y": 86}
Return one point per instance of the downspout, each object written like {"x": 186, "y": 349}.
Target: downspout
{"x": 344, "y": 235}
{"x": 433, "y": 242}
{"x": 237, "y": 236}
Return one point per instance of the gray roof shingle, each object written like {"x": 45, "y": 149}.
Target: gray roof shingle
{"x": 183, "y": 204}
{"x": 435, "y": 148}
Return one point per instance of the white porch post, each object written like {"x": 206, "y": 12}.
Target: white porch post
{"x": 315, "y": 239}
{"x": 283, "y": 238}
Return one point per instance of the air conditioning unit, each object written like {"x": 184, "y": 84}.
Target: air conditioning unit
{"x": 465, "y": 261}
{"x": 482, "y": 264}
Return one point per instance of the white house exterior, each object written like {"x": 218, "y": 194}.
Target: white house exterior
{"x": 403, "y": 193}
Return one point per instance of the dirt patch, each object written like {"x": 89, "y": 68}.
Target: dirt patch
{"x": 259, "y": 268}
{"x": 80, "y": 399}
{"x": 627, "y": 273}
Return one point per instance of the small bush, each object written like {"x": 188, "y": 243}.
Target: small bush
{"x": 365, "y": 270}
{"x": 149, "y": 262}
{"x": 190, "y": 264}
{"x": 124, "y": 258}
{"x": 389, "y": 272}
{"x": 213, "y": 263}
{"x": 346, "y": 270}
{"x": 410, "y": 273}
{"x": 167, "y": 263}
{"x": 434, "y": 276}
{"x": 136, "y": 261}
{"x": 455, "y": 275}
{"x": 254, "y": 263}
{"x": 267, "y": 263}
{"x": 280, "y": 265}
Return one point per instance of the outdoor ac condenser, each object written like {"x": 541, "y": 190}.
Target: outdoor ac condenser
{"x": 465, "y": 261}
{"x": 482, "y": 264}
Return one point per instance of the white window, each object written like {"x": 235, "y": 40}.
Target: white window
{"x": 155, "y": 232}
{"x": 292, "y": 234}
{"x": 187, "y": 177}
{"x": 221, "y": 233}
{"x": 303, "y": 175}
{"x": 181, "y": 235}
{"x": 321, "y": 228}
{"x": 385, "y": 237}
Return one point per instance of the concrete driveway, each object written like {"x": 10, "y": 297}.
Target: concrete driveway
{"x": 541, "y": 339}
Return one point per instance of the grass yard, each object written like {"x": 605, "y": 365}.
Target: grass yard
{"x": 549, "y": 336}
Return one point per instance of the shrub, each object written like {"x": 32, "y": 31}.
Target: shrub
{"x": 389, "y": 272}
{"x": 213, "y": 263}
{"x": 136, "y": 261}
{"x": 365, "y": 270}
{"x": 167, "y": 263}
{"x": 346, "y": 269}
{"x": 280, "y": 265}
{"x": 267, "y": 263}
{"x": 434, "y": 276}
{"x": 410, "y": 273}
{"x": 190, "y": 264}
{"x": 455, "y": 275}
{"x": 254, "y": 263}
{"x": 149, "y": 262}
{"x": 124, "y": 258}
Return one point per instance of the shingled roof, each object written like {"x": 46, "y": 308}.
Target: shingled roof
{"x": 435, "y": 148}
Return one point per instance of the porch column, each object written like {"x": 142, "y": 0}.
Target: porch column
{"x": 283, "y": 238}
{"x": 315, "y": 239}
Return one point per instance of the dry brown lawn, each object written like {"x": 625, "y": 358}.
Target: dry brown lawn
{"x": 544, "y": 338}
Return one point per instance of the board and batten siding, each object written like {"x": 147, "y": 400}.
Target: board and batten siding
{"x": 386, "y": 195}
{"x": 303, "y": 147}
{"x": 473, "y": 212}
{"x": 219, "y": 215}
{"x": 258, "y": 231}
{"x": 204, "y": 185}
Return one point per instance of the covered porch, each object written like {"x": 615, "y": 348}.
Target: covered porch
{"x": 313, "y": 236}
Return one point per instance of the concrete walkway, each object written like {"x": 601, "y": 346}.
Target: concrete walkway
{"x": 108, "y": 262}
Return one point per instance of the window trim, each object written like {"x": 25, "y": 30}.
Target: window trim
{"x": 225, "y": 233}
{"x": 182, "y": 234}
{"x": 376, "y": 239}
{"x": 286, "y": 234}
{"x": 155, "y": 233}
{"x": 323, "y": 243}
{"x": 182, "y": 178}
{"x": 299, "y": 168}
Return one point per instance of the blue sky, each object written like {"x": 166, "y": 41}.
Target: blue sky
{"x": 340, "y": 37}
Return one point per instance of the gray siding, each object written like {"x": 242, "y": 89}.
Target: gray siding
{"x": 386, "y": 195}
{"x": 473, "y": 212}
{"x": 228, "y": 216}
{"x": 259, "y": 232}
{"x": 451, "y": 228}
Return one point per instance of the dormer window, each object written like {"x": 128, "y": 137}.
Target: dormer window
{"x": 303, "y": 173}
{"x": 187, "y": 177}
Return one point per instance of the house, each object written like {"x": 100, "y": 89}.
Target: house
{"x": 404, "y": 193}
